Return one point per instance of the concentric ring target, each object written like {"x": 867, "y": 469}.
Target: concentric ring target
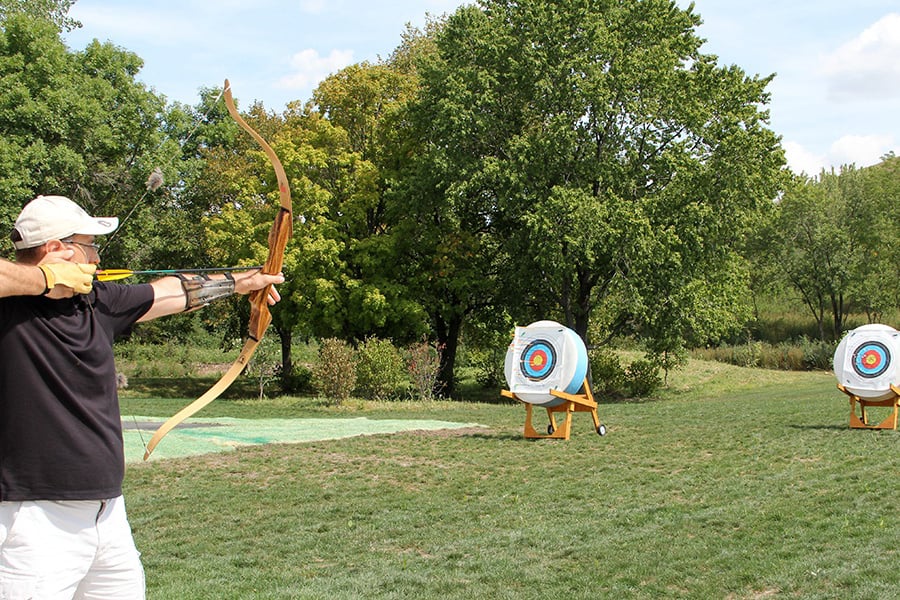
{"x": 538, "y": 360}
{"x": 871, "y": 359}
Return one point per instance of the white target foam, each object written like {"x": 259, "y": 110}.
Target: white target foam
{"x": 865, "y": 361}
{"x": 545, "y": 356}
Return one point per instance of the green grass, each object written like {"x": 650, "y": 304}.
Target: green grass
{"x": 735, "y": 483}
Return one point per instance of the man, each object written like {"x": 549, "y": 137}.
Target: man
{"x": 63, "y": 528}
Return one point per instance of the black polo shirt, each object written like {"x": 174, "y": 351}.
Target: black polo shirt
{"x": 60, "y": 425}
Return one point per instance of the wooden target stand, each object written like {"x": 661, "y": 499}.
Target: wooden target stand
{"x": 573, "y": 403}
{"x": 862, "y": 421}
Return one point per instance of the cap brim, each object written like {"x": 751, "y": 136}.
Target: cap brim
{"x": 99, "y": 226}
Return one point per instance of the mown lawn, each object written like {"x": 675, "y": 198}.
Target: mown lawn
{"x": 735, "y": 483}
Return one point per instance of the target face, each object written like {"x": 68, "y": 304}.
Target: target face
{"x": 538, "y": 360}
{"x": 871, "y": 359}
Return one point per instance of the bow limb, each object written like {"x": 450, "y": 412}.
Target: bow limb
{"x": 260, "y": 317}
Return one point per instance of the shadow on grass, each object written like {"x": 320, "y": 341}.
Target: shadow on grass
{"x": 820, "y": 427}
{"x": 189, "y": 387}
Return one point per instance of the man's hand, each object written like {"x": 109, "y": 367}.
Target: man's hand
{"x": 65, "y": 279}
{"x": 250, "y": 281}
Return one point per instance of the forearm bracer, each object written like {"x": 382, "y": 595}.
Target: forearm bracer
{"x": 201, "y": 290}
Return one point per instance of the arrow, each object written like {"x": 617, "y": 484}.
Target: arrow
{"x": 116, "y": 274}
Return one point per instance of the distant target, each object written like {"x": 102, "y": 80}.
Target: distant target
{"x": 871, "y": 359}
{"x": 538, "y": 360}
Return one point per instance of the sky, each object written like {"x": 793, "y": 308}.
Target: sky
{"x": 835, "y": 97}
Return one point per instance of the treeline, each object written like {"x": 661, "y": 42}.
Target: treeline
{"x": 577, "y": 160}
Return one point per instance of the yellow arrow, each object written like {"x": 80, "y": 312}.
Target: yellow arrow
{"x": 116, "y": 274}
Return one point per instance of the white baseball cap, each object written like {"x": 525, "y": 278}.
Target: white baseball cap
{"x": 54, "y": 218}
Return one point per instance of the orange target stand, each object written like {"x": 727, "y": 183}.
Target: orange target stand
{"x": 862, "y": 421}
{"x": 572, "y": 403}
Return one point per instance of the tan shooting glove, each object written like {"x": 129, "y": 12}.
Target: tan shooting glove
{"x": 79, "y": 277}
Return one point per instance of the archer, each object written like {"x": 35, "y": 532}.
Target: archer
{"x": 62, "y": 456}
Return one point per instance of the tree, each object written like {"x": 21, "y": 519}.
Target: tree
{"x": 880, "y": 264}
{"x": 54, "y": 11}
{"x": 835, "y": 244}
{"x": 73, "y": 123}
{"x": 585, "y": 156}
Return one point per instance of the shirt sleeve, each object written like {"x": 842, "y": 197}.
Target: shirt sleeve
{"x": 123, "y": 304}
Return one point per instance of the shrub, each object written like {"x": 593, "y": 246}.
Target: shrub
{"x": 488, "y": 364}
{"x": 803, "y": 355}
{"x": 334, "y": 375}
{"x": 817, "y": 354}
{"x": 423, "y": 362}
{"x": 380, "y": 372}
{"x": 607, "y": 374}
{"x": 642, "y": 378}
{"x": 298, "y": 382}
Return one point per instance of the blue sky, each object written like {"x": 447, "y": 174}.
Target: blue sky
{"x": 835, "y": 97}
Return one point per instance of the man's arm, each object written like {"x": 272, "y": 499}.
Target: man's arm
{"x": 170, "y": 296}
{"x": 21, "y": 279}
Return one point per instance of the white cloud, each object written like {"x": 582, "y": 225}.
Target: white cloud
{"x": 859, "y": 150}
{"x": 310, "y": 68}
{"x": 868, "y": 65}
{"x": 801, "y": 160}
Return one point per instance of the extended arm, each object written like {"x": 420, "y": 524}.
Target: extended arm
{"x": 171, "y": 296}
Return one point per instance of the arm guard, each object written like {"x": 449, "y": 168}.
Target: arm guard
{"x": 201, "y": 290}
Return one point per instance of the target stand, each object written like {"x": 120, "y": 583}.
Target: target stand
{"x": 570, "y": 404}
{"x": 862, "y": 420}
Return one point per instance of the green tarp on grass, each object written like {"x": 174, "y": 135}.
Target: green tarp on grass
{"x": 203, "y": 436}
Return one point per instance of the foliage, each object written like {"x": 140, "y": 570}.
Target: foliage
{"x": 334, "y": 375}
{"x": 642, "y": 378}
{"x": 72, "y": 123}
{"x": 380, "y": 370}
{"x": 607, "y": 374}
{"x": 264, "y": 365}
{"x": 802, "y": 355}
{"x": 582, "y": 157}
{"x": 55, "y": 11}
{"x": 423, "y": 361}
{"x": 298, "y": 382}
{"x": 833, "y": 242}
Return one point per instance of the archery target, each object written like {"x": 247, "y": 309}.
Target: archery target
{"x": 871, "y": 359}
{"x": 538, "y": 360}
{"x": 545, "y": 356}
{"x": 865, "y": 361}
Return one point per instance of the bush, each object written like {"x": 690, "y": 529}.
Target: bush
{"x": 607, "y": 374}
{"x": 642, "y": 378}
{"x": 804, "y": 355}
{"x": 334, "y": 375}
{"x": 299, "y": 381}
{"x": 380, "y": 370}
{"x": 423, "y": 362}
{"x": 488, "y": 365}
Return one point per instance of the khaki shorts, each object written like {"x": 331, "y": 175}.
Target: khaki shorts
{"x": 79, "y": 549}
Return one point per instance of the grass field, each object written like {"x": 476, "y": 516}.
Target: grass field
{"x": 735, "y": 483}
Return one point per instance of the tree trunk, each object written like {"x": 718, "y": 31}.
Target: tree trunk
{"x": 448, "y": 344}
{"x": 287, "y": 364}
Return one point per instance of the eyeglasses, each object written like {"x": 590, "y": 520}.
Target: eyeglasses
{"x": 95, "y": 247}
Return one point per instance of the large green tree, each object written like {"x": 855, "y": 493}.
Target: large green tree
{"x": 585, "y": 155}
{"x": 74, "y": 123}
{"x": 833, "y": 241}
